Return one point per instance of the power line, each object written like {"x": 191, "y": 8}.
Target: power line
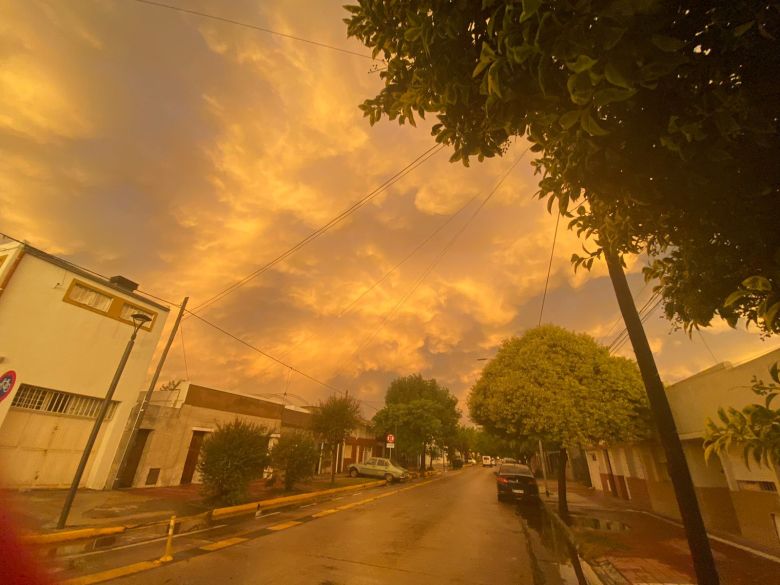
{"x": 407, "y": 257}
{"x": 549, "y": 266}
{"x": 183, "y": 350}
{"x": 263, "y": 353}
{"x": 421, "y": 159}
{"x": 624, "y": 332}
{"x": 643, "y": 319}
{"x": 255, "y": 27}
{"x": 435, "y": 261}
{"x": 704, "y": 341}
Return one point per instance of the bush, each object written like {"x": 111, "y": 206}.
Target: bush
{"x": 457, "y": 463}
{"x": 231, "y": 457}
{"x": 296, "y": 454}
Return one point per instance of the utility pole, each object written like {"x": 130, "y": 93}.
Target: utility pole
{"x": 138, "y": 320}
{"x": 148, "y": 396}
{"x": 698, "y": 541}
{"x": 544, "y": 469}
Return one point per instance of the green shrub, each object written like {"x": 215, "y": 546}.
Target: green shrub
{"x": 231, "y": 457}
{"x": 296, "y": 454}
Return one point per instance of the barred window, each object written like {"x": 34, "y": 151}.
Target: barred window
{"x": 54, "y": 401}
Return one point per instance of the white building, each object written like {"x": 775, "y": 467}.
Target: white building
{"x": 62, "y": 333}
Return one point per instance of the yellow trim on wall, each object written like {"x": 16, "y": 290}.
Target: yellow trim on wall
{"x": 114, "y": 310}
{"x": 2, "y": 259}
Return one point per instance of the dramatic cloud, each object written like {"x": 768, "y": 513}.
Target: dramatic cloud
{"x": 186, "y": 153}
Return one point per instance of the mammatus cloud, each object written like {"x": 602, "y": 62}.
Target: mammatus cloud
{"x": 186, "y": 153}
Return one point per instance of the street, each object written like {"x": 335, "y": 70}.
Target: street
{"x": 448, "y": 530}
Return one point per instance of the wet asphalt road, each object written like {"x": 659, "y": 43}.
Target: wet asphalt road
{"x": 451, "y": 530}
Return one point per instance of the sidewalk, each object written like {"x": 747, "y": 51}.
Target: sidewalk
{"x": 38, "y": 510}
{"x": 633, "y": 547}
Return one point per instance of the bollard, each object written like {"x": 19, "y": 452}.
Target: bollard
{"x": 168, "y": 556}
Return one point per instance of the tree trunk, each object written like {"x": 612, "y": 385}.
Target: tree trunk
{"x": 563, "y": 503}
{"x": 698, "y": 541}
{"x": 422, "y": 459}
{"x": 333, "y": 452}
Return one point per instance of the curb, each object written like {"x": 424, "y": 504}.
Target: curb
{"x": 78, "y": 534}
{"x": 591, "y": 575}
{"x": 254, "y": 507}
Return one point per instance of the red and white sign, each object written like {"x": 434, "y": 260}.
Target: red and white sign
{"x": 391, "y": 438}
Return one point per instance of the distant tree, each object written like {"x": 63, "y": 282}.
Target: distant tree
{"x": 230, "y": 458}
{"x": 419, "y": 412}
{"x": 562, "y": 387}
{"x": 334, "y": 420}
{"x": 755, "y": 428}
{"x": 655, "y": 125}
{"x": 296, "y": 454}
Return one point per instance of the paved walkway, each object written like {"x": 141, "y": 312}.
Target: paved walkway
{"x": 637, "y": 548}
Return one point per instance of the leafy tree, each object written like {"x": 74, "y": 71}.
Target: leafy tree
{"x": 655, "y": 125}
{"x": 563, "y": 387}
{"x": 334, "y": 420}
{"x": 756, "y": 427}
{"x": 296, "y": 454}
{"x": 171, "y": 385}
{"x": 419, "y": 412}
{"x": 231, "y": 457}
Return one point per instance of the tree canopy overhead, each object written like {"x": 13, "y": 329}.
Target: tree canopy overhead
{"x": 655, "y": 124}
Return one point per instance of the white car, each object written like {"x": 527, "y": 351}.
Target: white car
{"x": 487, "y": 461}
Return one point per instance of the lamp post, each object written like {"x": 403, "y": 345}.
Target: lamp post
{"x": 138, "y": 320}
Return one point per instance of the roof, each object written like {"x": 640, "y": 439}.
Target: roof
{"x": 204, "y": 397}
{"x": 84, "y": 273}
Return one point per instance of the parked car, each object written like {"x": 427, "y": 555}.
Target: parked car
{"x": 379, "y": 467}
{"x": 487, "y": 461}
{"x": 516, "y": 482}
{"x": 472, "y": 461}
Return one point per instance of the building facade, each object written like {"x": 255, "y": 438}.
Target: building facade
{"x": 733, "y": 497}
{"x": 63, "y": 331}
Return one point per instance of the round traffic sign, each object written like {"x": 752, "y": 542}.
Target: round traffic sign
{"x": 391, "y": 438}
{"x": 7, "y": 382}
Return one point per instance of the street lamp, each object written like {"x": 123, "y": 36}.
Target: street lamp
{"x": 138, "y": 321}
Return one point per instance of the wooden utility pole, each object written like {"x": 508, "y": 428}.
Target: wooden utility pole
{"x": 698, "y": 541}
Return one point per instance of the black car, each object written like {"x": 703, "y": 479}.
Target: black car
{"x": 516, "y": 482}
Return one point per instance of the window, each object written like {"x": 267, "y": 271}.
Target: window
{"x": 89, "y": 297}
{"x": 129, "y": 310}
{"x": 371, "y": 461}
{"x": 46, "y": 400}
{"x": 756, "y": 486}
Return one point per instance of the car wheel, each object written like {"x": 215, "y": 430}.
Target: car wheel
{"x": 353, "y": 472}
{"x": 388, "y": 478}
{"x": 499, "y": 497}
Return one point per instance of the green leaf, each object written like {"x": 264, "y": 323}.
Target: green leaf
{"x": 667, "y": 44}
{"x": 569, "y": 119}
{"x": 486, "y": 58}
{"x": 735, "y": 296}
{"x": 583, "y": 63}
{"x": 757, "y": 283}
{"x": 580, "y": 88}
{"x": 590, "y": 125}
{"x": 494, "y": 84}
{"x": 772, "y": 315}
{"x": 412, "y": 34}
{"x": 612, "y": 94}
{"x": 530, "y": 7}
{"x": 774, "y": 371}
{"x": 616, "y": 77}
{"x": 743, "y": 28}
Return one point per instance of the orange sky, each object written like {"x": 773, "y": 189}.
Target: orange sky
{"x": 185, "y": 153}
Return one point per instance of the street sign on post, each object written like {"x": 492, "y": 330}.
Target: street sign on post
{"x": 390, "y": 438}
{"x": 391, "y": 445}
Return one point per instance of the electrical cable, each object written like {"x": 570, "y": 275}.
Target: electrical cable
{"x": 255, "y": 27}
{"x": 263, "y": 353}
{"x": 183, "y": 350}
{"x": 624, "y": 332}
{"x": 433, "y": 264}
{"x": 407, "y": 257}
{"x": 643, "y": 319}
{"x": 549, "y": 266}
{"x": 704, "y": 341}
{"x": 421, "y": 159}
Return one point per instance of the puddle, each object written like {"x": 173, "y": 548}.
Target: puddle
{"x": 555, "y": 560}
{"x": 595, "y": 523}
